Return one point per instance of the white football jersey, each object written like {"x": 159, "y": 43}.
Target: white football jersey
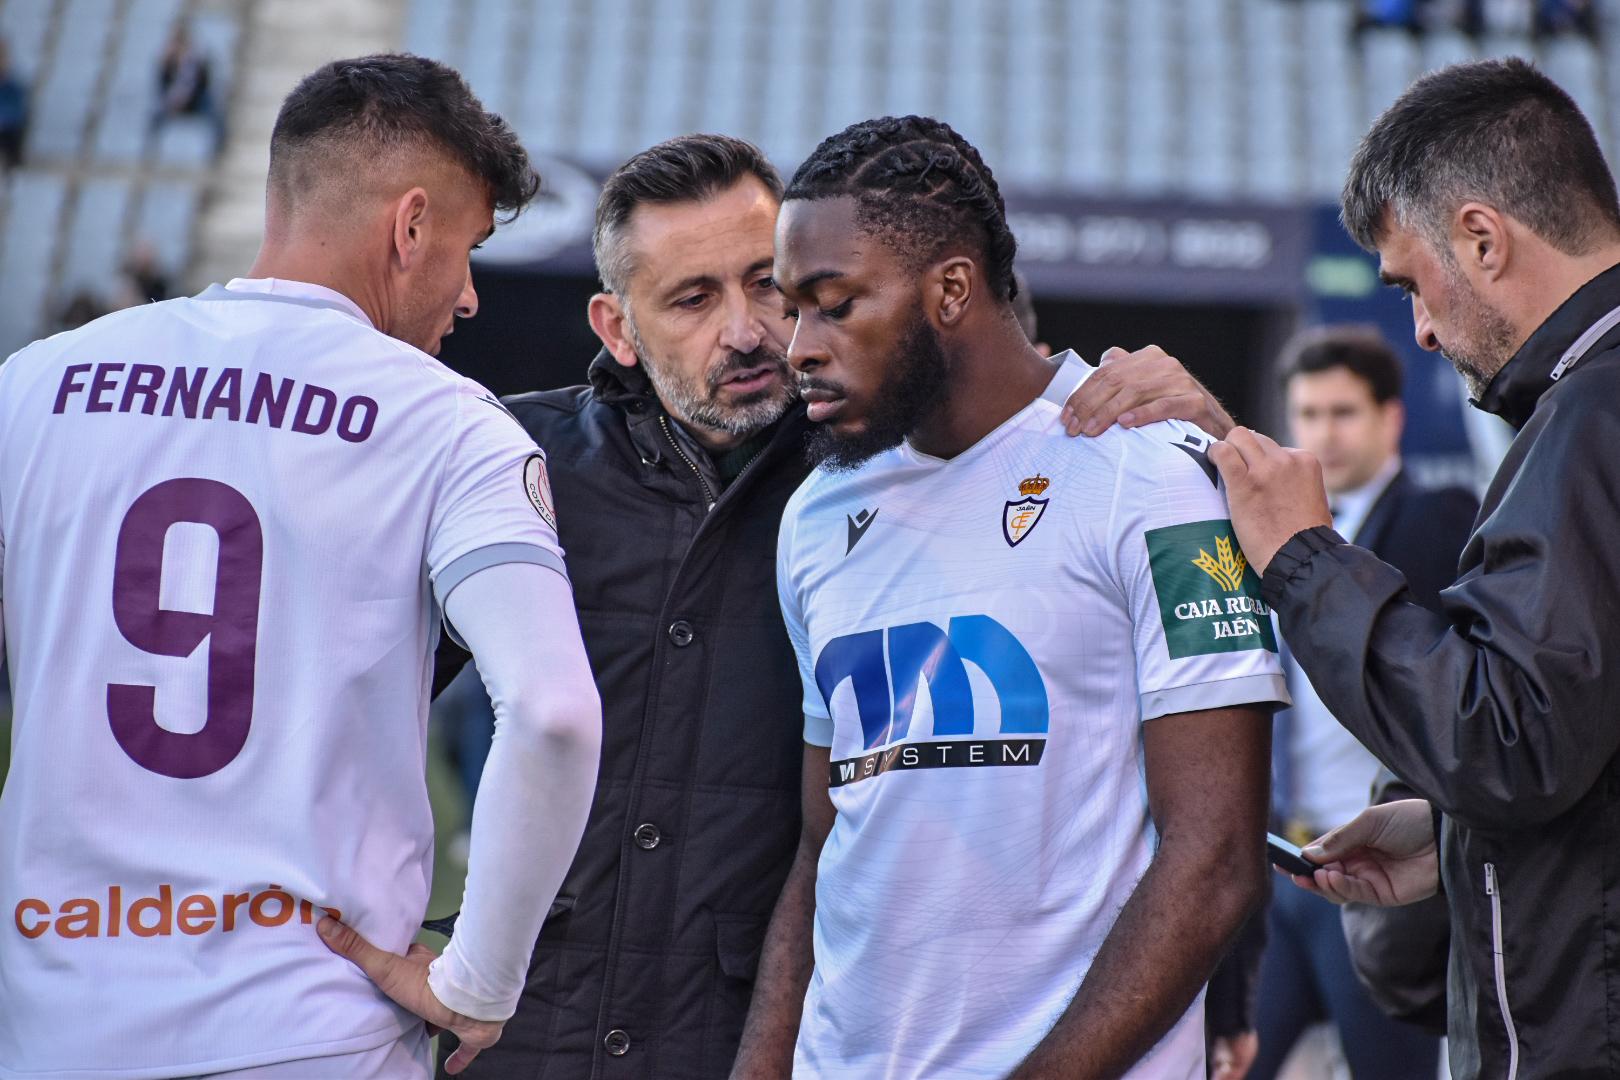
{"x": 980, "y": 639}
{"x": 225, "y": 525}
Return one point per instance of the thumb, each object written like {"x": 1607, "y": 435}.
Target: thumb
{"x": 1333, "y": 846}
{"x": 347, "y": 943}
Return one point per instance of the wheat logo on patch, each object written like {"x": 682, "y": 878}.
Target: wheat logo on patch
{"x": 1226, "y": 567}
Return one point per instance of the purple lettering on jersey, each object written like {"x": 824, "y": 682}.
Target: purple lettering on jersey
{"x": 231, "y": 629}
{"x": 227, "y": 395}
{"x": 347, "y": 429}
{"x": 306, "y": 405}
{"x": 144, "y": 380}
{"x": 262, "y": 400}
{"x": 99, "y": 385}
{"x": 189, "y": 394}
{"x": 70, "y": 384}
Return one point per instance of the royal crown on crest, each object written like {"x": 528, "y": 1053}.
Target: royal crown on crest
{"x": 1033, "y": 485}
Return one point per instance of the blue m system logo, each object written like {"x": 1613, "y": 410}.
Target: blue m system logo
{"x": 886, "y": 694}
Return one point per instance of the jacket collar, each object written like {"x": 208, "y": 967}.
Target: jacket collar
{"x": 1588, "y": 319}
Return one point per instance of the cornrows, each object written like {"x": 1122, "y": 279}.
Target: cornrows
{"x": 919, "y": 184}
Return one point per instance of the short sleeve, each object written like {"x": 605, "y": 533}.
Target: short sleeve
{"x": 494, "y": 502}
{"x": 1203, "y": 637}
{"x": 818, "y": 725}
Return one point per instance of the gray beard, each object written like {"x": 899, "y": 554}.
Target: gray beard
{"x": 694, "y": 404}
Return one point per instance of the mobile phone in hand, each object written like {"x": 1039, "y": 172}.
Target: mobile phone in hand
{"x": 1286, "y": 856}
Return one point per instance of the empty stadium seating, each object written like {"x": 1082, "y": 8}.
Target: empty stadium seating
{"x": 99, "y": 175}
{"x": 1201, "y": 98}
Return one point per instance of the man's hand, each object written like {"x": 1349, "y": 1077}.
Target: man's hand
{"x": 1232, "y": 1056}
{"x": 1274, "y": 492}
{"x": 1138, "y": 388}
{"x": 405, "y": 980}
{"x": 1385, "y": 855}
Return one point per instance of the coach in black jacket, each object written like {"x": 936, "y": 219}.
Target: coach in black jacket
{"x": 668, "y": 502}
{"x": 1488, "y": 200}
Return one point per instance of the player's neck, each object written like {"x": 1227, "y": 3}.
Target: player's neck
{"x": 990, "y": 381}
{"x": 290, "y": 262}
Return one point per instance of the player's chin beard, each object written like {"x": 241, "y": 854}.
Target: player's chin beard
{"x": 916, "y": 386}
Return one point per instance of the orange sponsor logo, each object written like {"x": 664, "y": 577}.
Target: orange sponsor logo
{"x": 162, "y": 915}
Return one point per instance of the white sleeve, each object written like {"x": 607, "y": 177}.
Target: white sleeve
{"x": 518, "y": 619}
{"x": 493, "y": 504}
{"x": 1203, "y": 637}
{"x": 818, "y": 725}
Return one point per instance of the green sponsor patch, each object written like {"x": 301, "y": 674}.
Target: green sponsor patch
{"x": 1209, "y": 596}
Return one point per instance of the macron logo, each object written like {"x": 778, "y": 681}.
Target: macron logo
{"x": 858, "y": 524}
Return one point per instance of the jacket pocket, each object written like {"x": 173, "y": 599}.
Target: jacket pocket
{"x": 738, "y": 939}
{"x": 1493, "y": 890}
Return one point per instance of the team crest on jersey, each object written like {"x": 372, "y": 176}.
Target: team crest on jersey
{"x": 1020, "y": 516}
{"x": 538, "y": 487}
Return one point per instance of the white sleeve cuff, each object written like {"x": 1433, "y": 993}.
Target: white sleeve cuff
{"x": 818, "y": 730}
{"x": 1269, "y": 689}
{"x": 448, "y": 978}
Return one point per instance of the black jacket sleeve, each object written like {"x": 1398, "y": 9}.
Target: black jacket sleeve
{"x": 1499, "y": 711}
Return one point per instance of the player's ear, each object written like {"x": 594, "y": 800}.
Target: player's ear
{"x": 607, "y": 316}
{"x": 410, "y": 227}
{"x": 952, "y": 284}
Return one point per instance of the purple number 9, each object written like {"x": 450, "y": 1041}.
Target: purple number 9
{"x": 232, "y": 628}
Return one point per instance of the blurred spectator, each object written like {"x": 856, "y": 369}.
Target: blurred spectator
{"x": 144, "y": 280}
{"x": 182, "y": 79}
{"x": 83, "y": 307}
{"x": 13, "y": 112}
{"x": 1343, "y": 390}
{"x": 1024, "y": 309}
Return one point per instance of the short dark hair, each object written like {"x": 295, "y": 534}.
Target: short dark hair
{"x": 689, "y": 168}
{"x": 1360, "y": 349}
{"x": 1494, "y": 130}
{"x": 372, "y": 104}
{"x": 920, "y": 186}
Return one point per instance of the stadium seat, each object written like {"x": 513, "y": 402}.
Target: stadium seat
{"x": 166, "y": 218}
{"x": 95, "y": 237}
{"x": 27, "y": 251}
{"x": 125, "y": 120}
{"x": 62, "y": 104}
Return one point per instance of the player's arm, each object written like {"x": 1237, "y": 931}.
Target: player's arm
{"x": 518, "y": 620}
{"x": 787, "y": 959}
{"x": 1206, "y": 780}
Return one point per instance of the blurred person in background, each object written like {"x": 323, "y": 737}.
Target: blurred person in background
{"x": 13, "y": 111}
{"x": 142, "y": 277}
{"x": 182, "y": 78}
{"x": 1342, "y": 386}
{"x": 184, "y": 826}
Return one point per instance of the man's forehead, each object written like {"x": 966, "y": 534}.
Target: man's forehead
{"x": 814, "y": 236}
{"x": 720, "y": 236}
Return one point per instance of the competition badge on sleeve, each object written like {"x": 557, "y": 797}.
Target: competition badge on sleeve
{"x": 1209, "y": 595}
{"x": 1020, "y": 517}
{"x": 537, "y": 485}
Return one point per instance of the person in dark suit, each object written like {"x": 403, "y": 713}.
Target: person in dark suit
{"x": 1343, "y": 389}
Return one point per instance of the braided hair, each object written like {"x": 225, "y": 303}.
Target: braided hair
{"x": 920, "y": 186}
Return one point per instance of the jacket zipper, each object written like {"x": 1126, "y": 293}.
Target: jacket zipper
{"x": 708, "y": 492}
{"x": 1495, "y": 893}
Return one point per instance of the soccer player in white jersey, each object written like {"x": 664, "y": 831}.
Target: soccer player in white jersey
{"x": 1037, "y": 674}
{"x": 228, "y": 524}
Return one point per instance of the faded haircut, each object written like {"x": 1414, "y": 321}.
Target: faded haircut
{"x": 352, "y": 111}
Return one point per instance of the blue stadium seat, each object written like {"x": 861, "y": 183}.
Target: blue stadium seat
{"x": 95, "y": 237}
{"x": 27, "y": 250}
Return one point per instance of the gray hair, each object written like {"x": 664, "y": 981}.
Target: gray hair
{"x": 690, "y": 168}
{"x": 1498, "y": 131}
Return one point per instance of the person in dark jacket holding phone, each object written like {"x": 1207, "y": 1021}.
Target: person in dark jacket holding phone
{"x": 1489, "y": 203}
{"x": 1486, "y": 196}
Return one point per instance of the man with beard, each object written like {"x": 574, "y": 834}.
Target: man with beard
{"x": 671, "y": 470}
{"x": 1037, "y": 685}
{"x": 1488, "y": 201}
